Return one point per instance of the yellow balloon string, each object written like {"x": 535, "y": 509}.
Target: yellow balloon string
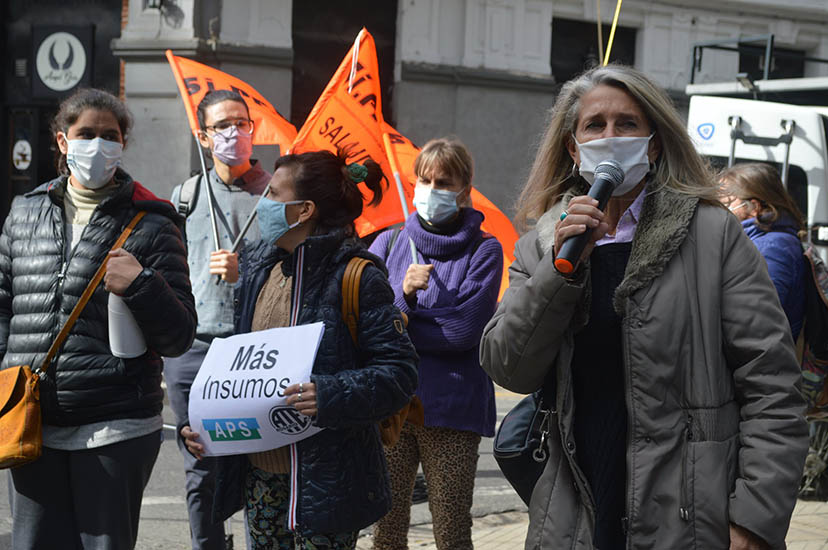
{"x": 600, "y": 31}
{"x": 612, "y": 32}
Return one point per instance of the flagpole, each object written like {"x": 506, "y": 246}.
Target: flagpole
{"x": 205, "y": 178}
{"x": 392, "y": 158}
{"x": 249, "y": 222}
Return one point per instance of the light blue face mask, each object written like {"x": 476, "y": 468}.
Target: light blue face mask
{"x": 435, "y": 206}
{"x": 272, "y": 219}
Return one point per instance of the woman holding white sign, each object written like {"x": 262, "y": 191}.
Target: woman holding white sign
{"x": 322, "y": 490}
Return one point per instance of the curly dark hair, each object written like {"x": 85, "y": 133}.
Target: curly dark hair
{"x": 73, "y": 106}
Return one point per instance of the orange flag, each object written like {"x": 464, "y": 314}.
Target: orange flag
{"x": 403, "y": 153}
{"x": 195, "y": 80}
{"x": 498, "y": 225}
{"x": 348, "y": 115}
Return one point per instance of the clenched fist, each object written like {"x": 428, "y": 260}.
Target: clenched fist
{"x": 416, "y": 278}
{"x": 121, "y": 269}
{"x": 225, "y": 263}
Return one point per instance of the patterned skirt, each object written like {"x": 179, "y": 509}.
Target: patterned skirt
{"x": 268, "y": 497}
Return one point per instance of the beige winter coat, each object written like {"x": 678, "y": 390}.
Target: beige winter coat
{"x": 716, "y": 432}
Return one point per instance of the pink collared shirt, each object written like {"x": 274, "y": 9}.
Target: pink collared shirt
{"x": 625, "y": 230}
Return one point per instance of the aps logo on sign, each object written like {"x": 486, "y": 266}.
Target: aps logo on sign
{"x": 231, "y": 429}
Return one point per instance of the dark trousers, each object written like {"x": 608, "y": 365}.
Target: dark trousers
{"x": 179, "y": 372}
{"x": 88, "y": 499}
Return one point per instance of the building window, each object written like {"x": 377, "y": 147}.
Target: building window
{"x": 575, "y": 46}
{"x": 785, "y": 62}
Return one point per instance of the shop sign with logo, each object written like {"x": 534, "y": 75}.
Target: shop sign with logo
{"x": 62, "y": 59}
{"x": 22, "y": 155}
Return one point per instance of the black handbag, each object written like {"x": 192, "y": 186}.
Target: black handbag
{"x": 520, "y": 444}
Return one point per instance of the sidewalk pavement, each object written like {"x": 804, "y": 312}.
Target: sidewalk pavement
{"x": 506, "y": 531}
{"x": 809, "y": 526}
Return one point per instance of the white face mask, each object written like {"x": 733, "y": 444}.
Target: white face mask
{"x": 92, "y": 162}
{"x": 629, "y": 152}
{"x": 435, "y": 205}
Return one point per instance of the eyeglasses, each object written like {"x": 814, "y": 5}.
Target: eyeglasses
{"x": 737, "y": 207}
{"x": 244, "y": 125}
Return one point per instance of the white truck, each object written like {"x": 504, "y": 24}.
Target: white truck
{"x": 794, "y": 138}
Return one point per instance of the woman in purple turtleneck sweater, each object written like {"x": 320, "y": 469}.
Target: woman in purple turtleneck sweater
{"x": 449, "y": 295}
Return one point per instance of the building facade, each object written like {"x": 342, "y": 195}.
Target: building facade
{"x": 486, "y": 71}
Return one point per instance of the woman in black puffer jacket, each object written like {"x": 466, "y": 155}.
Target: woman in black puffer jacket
{"x": 339, "y": 482}
{"x": 101, "y": 414}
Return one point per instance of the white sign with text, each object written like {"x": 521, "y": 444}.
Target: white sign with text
{"x": 237, "y": 401}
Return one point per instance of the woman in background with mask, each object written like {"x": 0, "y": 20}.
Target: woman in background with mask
{"x": 755, "y": 194}
{"x": 664, "y": 354}
{"x": 449, "y": 295}
{"x": 319, "y": 492}
{"x": 101, "y": 413}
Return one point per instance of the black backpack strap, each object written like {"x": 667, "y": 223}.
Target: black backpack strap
{"x": 395, "y": 233}
{"x": 188, "y": 195}
{"x": 816, "y": 304}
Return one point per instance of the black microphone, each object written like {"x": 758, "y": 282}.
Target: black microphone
{"x": 608, "y": 176}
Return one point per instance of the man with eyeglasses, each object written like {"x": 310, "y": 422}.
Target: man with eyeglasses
{"x": 236, "y": 182}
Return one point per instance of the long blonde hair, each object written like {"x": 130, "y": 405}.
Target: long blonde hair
{"x": 760, "y": 181}
{"x": 447, "y": 154}
{"x": 679, "y": 167}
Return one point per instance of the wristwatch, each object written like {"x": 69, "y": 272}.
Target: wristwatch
{"x": 146, "y": 274}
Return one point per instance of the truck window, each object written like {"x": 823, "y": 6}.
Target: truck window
{"x": 797, "y": 178}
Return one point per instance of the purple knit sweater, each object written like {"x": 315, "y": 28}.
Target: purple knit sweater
{"x": 448, "y": 319}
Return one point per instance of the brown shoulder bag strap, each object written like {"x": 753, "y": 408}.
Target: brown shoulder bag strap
{"x": 350, "y": 294}
{"x": 87, "y": 294}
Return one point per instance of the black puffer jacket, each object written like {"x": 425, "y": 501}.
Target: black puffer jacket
{"x": 342, "y": 479}
{"x": 38, "y": 290}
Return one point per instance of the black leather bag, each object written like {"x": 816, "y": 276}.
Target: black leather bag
{"x": 520, "y": 444}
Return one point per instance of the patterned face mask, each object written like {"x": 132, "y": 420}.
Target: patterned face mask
{"x": 232, "y": 147}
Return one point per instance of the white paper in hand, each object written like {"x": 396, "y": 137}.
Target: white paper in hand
{"x": 237, "y": 401}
